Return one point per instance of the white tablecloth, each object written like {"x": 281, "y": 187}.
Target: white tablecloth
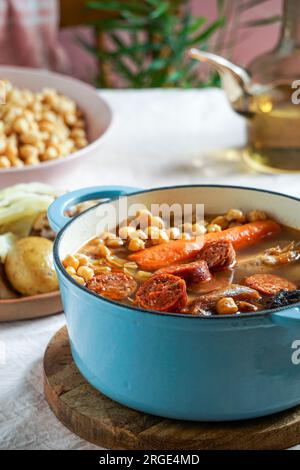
{"x": 158, "y": 137}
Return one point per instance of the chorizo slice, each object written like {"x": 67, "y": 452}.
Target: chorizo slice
{"x": 206, "y": 304}
{"x": 162, "y": 292}
{"x": 192, "y": 273}
{"x": 269, "y": 284}
{"x": 115, "y": 285}
{"x": 219, "y": 255}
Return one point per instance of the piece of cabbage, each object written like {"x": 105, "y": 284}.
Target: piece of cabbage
{"x": 6, "y": 242}
{"x": 21, "y": 204}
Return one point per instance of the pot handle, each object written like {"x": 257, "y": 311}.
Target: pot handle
{"x": 288, "y": 317}
{"x": 56, "y": 211}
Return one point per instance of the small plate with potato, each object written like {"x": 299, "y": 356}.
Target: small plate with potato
{"x": 28, "y": 282}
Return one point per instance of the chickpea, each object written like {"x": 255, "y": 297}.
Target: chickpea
{"x": 124, "y": 232}
{"x": 186, "y": 228}
{"x": 28, "y": 115}
{"x": 2, "y": 145}
{"x": 70, "y": 119}
{"x": 31, "y": 138}
{"x": 152, "y": 233}
{"x": 163, "y": 236}
{"x": 104, "y": 251}
{"x": 246, "y": 306}
{"x": 28, "y": 151}
{"x": 81, "y": 143}
{"x": 4, "y": 162}
{"x": 198, "y": 229}
{"x": 174, "y": 233}
{"x": 79, "y": 124}
{"x": 156, "y": 235}
{"x": 32, "y": 160}
{"x": 51, "y": 153}
{"x": 107, "y": 235}
{"x": 143, "y": 275}
{"x": 226, "y": 306}
{"x": 221, "y": 221}
{"x": 235, "y": 215}
{"x": 54, "y": 140}
{"x": 77, "y": 133}
{"x": 79, "y": 279}
{"x": 70, "y": 270}
{"x": 136, "y": 244}
{"x": 143, "y": 218}
{"x": 70, "y": 260}
{"x": 255, "y": 215}
{"x": 65, "y": 148}
{"x": 85, "y": 272}
{"x": 138, "y": 234}
{"x": 36, "y": 107}
{"x": 156, "y": 221}
{"x": 82, "y": 259}
{"x": 131, "y": 265}
{"x": 186, "y": 236}
{"x": 49, "y": 116}
{"x": 101, "y": 269}
{"x": 96, "y": 242}
{"x": 21, "y": 125}
{"x": 114, "y": 242}
{"x": 16, "y": 161}
{"x": 41, "y": 147}
{"x": 214, "y": 228}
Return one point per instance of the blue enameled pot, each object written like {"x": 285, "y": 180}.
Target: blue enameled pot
{"x": 180, "y": 366}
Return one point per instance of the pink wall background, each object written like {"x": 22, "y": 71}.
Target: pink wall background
{"x": 249, "y": 42}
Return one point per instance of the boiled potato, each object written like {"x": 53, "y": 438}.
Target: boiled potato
{"x": 29, "y": 266}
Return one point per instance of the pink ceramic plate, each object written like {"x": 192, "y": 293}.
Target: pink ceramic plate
{"x": 97, "y": 113}
{"x": 35, "y": 306}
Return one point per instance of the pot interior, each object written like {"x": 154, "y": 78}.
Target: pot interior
{"x": 216, "y": 200}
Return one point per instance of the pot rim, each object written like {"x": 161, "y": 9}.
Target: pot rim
{"x": 264, "y": 313}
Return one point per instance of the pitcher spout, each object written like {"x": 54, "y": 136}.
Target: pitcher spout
{"x": 236, "y": 82}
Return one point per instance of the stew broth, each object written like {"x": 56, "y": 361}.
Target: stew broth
{"x": 258, "y": 269}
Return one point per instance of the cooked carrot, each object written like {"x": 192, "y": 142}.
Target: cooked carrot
{"x": 176, "y": 251}
{"x": 244, "y": 235}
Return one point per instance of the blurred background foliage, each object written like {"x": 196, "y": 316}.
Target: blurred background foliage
{"x": 143, "y": 43}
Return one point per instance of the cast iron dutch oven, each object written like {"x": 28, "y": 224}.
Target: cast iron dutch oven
{"x": 180, "y": 366}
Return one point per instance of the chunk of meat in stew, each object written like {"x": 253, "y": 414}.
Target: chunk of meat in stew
{"x": 206, "y": 304}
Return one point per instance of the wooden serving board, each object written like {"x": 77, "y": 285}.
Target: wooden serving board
{"x": 96, "y": 418}
{"x": 35, "y": 306}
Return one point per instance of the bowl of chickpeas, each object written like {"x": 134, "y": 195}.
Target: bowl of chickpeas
{"x": 48, "y": 124}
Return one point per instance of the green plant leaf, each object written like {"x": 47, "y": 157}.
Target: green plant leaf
{"x": 116, "y": 24}
{"x": 162, "y": 8}
{"x": 197, "y": 23}
{"x": 152, "y": 53}
{"x": 116, "y": 6}
{"x": 204, "y": 35}
{"x": 127, "y": 50}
